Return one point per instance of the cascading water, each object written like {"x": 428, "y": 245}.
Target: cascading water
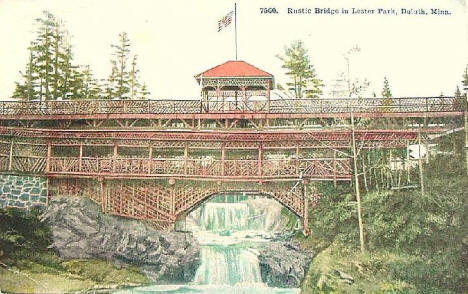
{"x": 229, "y": 228}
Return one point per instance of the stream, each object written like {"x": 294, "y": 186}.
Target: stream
{"x": 229, "y": 229}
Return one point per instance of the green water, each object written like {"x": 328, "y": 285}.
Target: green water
{"x": 229, "y": 263}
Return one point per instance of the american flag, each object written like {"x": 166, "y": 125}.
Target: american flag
{"x": 225, "y": 21}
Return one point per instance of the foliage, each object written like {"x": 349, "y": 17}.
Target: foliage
{"x": 22, "y": 230}
{"x": 50, "y": 73}
{"x": 387, "y": 102}
{"x": 418, "y": 240}
{"x": 465, "y": 79}
{"x": 304, "y": 82}
{"x": 123, "y": 81}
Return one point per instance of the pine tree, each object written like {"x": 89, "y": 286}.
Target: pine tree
{"x": 123, "y": 81}
{"x": 50, "y": 72}
{"x": 133, "y": 75}
{"x": 90, "y": 88}
{"x": 28, "y": 89}
{"x": 304, "y": 82}
{"x": 465, "y": 80}
{"x": 112, "y": 83}
{"x": 44, "y": 48}
{"x": 387, "y": 100}
{"x": 144, "y": 92}
{"x": 121, "y": 75}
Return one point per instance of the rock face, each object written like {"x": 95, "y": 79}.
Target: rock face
{"x": 80, "y": 230}
{"x": 283, "y": 264}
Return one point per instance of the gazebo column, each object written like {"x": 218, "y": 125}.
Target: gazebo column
{"x": 244, "y": 97}
{"x": 260, "y": 160}
{"x": 218, "y": 95}
{"x": 235, "y": 100}
{"x": 268, "y": 86}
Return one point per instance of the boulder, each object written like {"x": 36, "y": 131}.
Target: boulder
{"x": 80, "y": 230}
{"x": 283, "y": 264}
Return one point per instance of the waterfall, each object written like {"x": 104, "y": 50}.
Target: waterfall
{"x": 227, "y": 265}
{"x": 224, "y": 216}
{"x": 228, "y": 228}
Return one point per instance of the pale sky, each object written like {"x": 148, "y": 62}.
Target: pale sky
{"x": 422, "y": 55}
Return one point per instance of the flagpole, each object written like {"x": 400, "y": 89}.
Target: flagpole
{"x": 235, "y": 26}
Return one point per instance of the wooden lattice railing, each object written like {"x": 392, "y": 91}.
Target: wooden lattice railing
{"x": 162, "y": 203}
{"x": 323, "y": 105}
{"x": 319, "y": 168}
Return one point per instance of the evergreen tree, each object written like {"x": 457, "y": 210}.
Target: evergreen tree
{"x": 387, "y": 100}
{"x": 90, "y": 88}
{"x": 304, "y": 82}
{"x": 144, "y": 92}
{"x": 50, "y": 72}
{"x": 465, "y": 79}
{"x": 133, "y": 75}
{"x": 123, "y": 81}
{"x": 112, "y": 83}
{"x": 28, "y": 89}
{"x": 119, "y": 67}
{"x": 44, "y": 46}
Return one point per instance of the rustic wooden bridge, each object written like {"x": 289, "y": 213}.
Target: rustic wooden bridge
{"x": 157, "y": 160}
{"x": 162, "y": 174}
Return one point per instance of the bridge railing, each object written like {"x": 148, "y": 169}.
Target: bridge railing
{"x": 322, "y": 105}
{"x": 326, "y": 168}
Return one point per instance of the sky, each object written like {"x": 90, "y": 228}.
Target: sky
{"x": 421, "y": 55}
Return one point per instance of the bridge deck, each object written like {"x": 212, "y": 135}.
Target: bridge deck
{"x": 196, "y": 109}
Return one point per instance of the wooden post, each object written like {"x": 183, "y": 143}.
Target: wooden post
{"x": 49, "y": 155}
{"x": 223, "y": 155}
{"x": 334, "y": 168}
{"x": 186, "y": 150}
{"x": 466, "y": 134}
{"x": 218, "y": 94}
{"x": 364, "y": 172}
{"x": 305, "y": 216}
{"x": 150, "y": 159}
{"x": 356, "y": 182}
{"x": 103, "y": 195}
{"x": 260, "y": 159}
{"x": 268, "y": 86}
{"x": 114, "y": 157}
{"x": 408, "y": 165}
{"x": 10, "y": 158}
{"x": 426, "y": 145}
{"x": 173, "y": 200}
{"x": 244, "y": 90}
{"x": 47, "y": 189}
{"x": 421, "y": 171}
{"x": 297, "y": 158}
{"x": 390, "y": 169}
{"x": 235, "y": 100}
{"x": 80, "y": 159}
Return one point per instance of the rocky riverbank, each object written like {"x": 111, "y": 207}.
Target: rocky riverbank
{"x": 80, "y": 230}
{"x": 283, "y": 264}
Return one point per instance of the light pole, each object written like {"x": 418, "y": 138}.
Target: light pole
{"x": 347, "y": 58}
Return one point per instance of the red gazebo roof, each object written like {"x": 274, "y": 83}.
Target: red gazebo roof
{"x": 234, "y": 69}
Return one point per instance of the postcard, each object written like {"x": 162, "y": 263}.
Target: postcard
{"x": 233, "y": 146}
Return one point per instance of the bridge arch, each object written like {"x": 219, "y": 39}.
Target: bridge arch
{"x": 252, "y": 192}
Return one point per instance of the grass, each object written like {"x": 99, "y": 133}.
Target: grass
{"x": 382, "y": 272}
{"x": 44, "y": 272}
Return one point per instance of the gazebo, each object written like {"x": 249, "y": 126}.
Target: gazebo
{"x": 235, "y": 86}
